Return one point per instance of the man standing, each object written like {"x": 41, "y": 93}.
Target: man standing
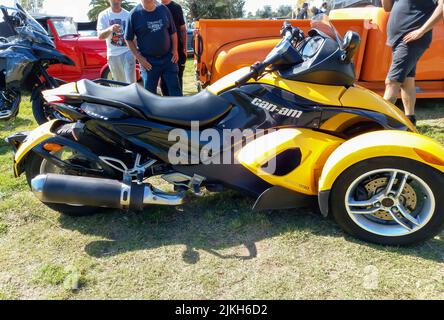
{"x": 111, "y": 25}
{"x": 409, "y": 33}
{"x": 152, "y": 25}
{"x": 303, "y": 13}
{"x": 179, "y": 21}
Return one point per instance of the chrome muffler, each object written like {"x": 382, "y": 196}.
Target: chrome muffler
{"x": 103, "y": 193}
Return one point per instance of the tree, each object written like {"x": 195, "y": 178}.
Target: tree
{"x": 32, "y": 6}
{"x": 283, "y": 11}
{"x": 98, "y": 6}
{"x": 265, "y": 13}
{"x": 214, "y": 9}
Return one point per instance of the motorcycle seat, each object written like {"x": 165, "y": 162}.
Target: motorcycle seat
{"x": 204, "y": 107}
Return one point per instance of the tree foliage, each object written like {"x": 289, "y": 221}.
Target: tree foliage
{"x": 97, "y": 6}
{"x": 214, "y": 9}
{"x": 32, "y": 5}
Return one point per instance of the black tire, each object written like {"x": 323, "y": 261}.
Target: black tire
{"x": 429, "y": 175}
{"x": 38, "y": 110}
{"x": 106, "y": 73}
{"x": 32, "y": 170}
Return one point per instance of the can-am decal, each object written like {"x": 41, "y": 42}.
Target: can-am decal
{"x": 292, "y": 113}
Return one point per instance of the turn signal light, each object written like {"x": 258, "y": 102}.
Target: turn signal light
{"x": 52, "y": 147}
{"x": 430, "y": 158}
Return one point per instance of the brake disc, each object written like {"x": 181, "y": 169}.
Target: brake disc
{"x": 408, "y": 197}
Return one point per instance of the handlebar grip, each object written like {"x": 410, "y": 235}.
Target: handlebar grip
{"x": 245, "y": 78}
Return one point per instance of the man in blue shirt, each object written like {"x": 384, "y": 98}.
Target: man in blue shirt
{"x": 152, "y": 38}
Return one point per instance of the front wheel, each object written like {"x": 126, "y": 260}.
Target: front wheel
{"x": 389, "y": 201}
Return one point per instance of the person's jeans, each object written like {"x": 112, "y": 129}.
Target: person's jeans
{"x": 165, "y": 69}
{"x": 182, "y": 64}
{"x": 123, "y": 67}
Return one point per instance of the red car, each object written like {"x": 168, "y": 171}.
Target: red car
{"x": 88, "y": 52}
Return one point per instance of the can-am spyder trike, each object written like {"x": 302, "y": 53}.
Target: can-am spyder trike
{"x": 26, "y": 51}
{"x": 307, "y": 131}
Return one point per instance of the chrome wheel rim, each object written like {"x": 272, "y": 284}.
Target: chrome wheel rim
{"x": 390, "y": 202}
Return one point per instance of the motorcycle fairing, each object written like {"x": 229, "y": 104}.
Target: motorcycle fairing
{"x": 315, "y": 148}
{"x": 322, "y": 95}
{"x": 16, "y": 64}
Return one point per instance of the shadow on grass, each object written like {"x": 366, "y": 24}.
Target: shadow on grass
{"x": 215, "y": 222}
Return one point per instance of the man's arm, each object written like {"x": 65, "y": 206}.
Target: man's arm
{"x": 106, "y": 33}
{"x": 183, "y": 31}
{"x": 387, "y": 5}
{"x": 132, "y": 45}
{"x": 175, "y": 48}
{"x": 103, "y": 30}
{"x": 433, "y": 20}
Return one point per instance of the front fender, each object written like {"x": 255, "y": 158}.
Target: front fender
{"x": 34, "y": 138}
{"x": 374, "y": 145}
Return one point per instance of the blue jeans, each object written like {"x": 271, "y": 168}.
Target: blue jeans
{"x": 165, "y": 69}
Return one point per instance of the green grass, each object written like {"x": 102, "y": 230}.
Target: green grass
{"x": 211, "y": 248}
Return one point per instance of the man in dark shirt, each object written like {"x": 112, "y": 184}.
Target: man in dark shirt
{"x": 179, "y": 21}
{"x": 152, "y": 38}
{"x": 303, "y": 13}
{"x": 409, "y": 33}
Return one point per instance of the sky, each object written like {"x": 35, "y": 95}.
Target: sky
{"x": 78, "y": 8}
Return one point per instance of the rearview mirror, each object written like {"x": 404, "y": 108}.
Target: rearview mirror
{"x": 351, "y": 43}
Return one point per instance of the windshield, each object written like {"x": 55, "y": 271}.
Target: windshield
{"x": 17, "y": 20}
{"x": 65, "y": 27}
{"x": 322, "y": 24}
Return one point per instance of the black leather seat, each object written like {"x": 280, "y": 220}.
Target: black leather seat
{"x": 204, "y": 107}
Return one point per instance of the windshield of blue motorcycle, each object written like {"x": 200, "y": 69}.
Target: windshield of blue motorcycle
{"x": 322, "y": 23}
{"x": 24, "y": 27}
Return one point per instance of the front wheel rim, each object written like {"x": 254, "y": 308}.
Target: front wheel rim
{"x": 385, "y": 210}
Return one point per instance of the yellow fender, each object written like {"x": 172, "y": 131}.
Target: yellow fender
{"x": 36, "y": 137}
{"x": 374, "y": 145}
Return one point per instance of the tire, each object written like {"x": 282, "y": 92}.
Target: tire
{"x": 33, "y": 169}
{"x": 429, "y": 179}
{"x": 107, "y": 74}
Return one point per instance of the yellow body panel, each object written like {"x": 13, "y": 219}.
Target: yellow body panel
{"x": 361, "y": 98}
{"x": 378, "y": 144}
{"x": 36, "y": 137}
{"x": 322, "y": 94}
{"x": 315, "y": 147}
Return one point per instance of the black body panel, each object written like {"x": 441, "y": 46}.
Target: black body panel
{"x": 323, "y": 64}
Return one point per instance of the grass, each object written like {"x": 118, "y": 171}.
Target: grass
{"x": 211, "y": 248}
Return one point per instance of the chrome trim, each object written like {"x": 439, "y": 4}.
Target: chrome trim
{"x": 38, "y": 185}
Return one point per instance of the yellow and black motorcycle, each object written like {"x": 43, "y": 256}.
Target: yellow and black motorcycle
{"x": 289, "y": 130}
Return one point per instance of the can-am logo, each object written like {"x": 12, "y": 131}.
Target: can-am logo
{"x": 292, "y": 113}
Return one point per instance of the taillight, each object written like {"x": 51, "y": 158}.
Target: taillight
{"x": 55, "y": 99}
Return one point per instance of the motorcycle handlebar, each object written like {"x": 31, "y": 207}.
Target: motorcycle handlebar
{"x": 288, "y": 33}
{"x": 246, "y": 78}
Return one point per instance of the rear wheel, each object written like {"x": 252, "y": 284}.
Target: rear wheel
{"x": 36, "y": 165}
{"x": 389, "y": 201}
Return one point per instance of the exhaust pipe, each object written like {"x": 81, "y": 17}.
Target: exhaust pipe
{"x": 96, "y": 192}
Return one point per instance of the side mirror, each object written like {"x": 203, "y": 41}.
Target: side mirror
{"x": 351, "y": 43}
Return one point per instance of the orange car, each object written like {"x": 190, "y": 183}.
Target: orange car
{"x": 223, "y": 46}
